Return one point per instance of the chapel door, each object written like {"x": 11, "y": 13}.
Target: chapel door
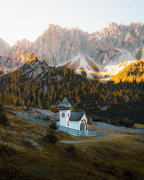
{"x": 83, "y": 126}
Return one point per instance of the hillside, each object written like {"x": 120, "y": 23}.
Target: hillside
{"x": 132, "y": 73}
{"x": 36, "y": 84}
{"x": 25, "y": 153}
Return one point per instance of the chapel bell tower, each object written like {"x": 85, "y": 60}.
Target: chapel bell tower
{"x": 64, "y": 112}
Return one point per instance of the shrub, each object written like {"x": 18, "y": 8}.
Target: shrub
{"x": 3, "y": 119}
{"x": 53, "y": 126}
{"x": 51, "y": 138}
{"x": 70, "y": 148}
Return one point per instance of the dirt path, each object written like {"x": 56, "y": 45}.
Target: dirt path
{"x": 94, "y": 140}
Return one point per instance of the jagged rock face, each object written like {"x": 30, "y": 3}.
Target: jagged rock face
{"x": 56, "y": 45}
{"x": 9, "y": 64}
{"x": 4, "y": 55}
{"x": 127, "y": 37}
{"x": 14, "y": 56}
{"x": 21, "y": 45}
{"x": 18, "y": 53}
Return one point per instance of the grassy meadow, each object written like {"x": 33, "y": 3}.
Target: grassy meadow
{"x": 26, "y": 153}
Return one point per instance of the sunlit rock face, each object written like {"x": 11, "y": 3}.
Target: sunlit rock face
{"x": 113, "y": 44}
{"x": 15, "y": 56}
{"x": 18, "y": 53}
{"x": 127, "y": 37}
{"x": 4, "y": 55}
{"x": 57, "y": 45}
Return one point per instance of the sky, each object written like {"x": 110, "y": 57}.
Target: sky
{"x": 29, "y": 18}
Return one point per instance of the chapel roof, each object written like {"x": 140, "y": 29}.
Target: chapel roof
{"x": 76, "y": 115}
{"x": 65, "y": 104}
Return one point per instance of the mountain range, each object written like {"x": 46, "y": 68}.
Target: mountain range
{"x": 106, "y": 49}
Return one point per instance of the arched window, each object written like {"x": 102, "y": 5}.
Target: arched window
{"x": 63, "y": 114}
{"x": 83, "y": 126}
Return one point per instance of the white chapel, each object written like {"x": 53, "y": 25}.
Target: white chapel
{"x": 72, "y": 119}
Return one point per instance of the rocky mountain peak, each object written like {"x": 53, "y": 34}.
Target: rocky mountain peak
{"x": 113, "y": 25}
{"x": 23, "y": 44}
{"x": 76, "y": 28}
{"x": 51, "y": 26}
{"x": 53, "y": 29}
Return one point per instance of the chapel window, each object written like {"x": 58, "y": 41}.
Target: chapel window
{"x": 63, "y": 114}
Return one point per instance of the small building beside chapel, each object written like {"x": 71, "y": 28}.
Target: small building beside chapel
{"x": 72, "y": 119}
